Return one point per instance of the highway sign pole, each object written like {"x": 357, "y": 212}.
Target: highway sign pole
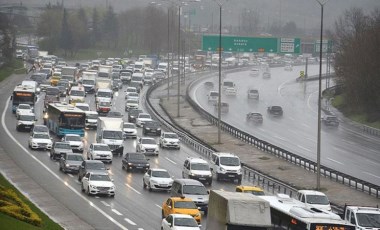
{"x": 179, "y": 50}
{"x": 167, "y": 72}
{"x": 220, "y": 72}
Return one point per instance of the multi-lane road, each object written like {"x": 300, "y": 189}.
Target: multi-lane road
{"x": 345, "y": 148}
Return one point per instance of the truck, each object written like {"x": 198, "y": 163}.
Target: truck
{"x": 151, "y": 61}
{"x": 110, "y": 132}
{"x": 362, "y": 217}
{"x": 237, "y": 211}
{"x": 105, "y": 71}
{"x": 103, "y": 83}
{"x": 199, "y": 62}
{"x": 89, "y": 81}
{"x": 71, "y": 72}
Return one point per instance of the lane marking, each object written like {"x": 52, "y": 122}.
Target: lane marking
{"x": 339, "y": 150}
{"x": 130, "y": 221}
{"x": 291, "y": 118}
{"x": 307, "y": 126}
{"x": 70, "y": 175}
{"x": 278, "y": 137}
{"x": 140, "y": 229}
{"x": 262, "y": 130}
{"x": 338, "y": 162}
{"x": 170, "y": 160}
{"x": 301, "y": 147}
{"x": 348, "y": 142}
{"x": 54, "y": 174}
{"x": 105, "y": 203}
{"x": 132, "y": 188}
{"x": 117, "y": 212}
{"x": 308, "y": 102}
{"x": 371, "y": 174}
{"x": 158, "y": 206}
{"x": 311, "y": 139}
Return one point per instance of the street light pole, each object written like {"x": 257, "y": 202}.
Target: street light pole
{"x": 179, "y": 48}
{"x": 322, "y": 3}
{"x": 168, "y": 72}
{"x": 220, "y": 73}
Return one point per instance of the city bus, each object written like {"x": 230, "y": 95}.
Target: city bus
{"x": 291, "y": 214}
{"x": 23, "y": 94}
{"x": 62, "y": 118}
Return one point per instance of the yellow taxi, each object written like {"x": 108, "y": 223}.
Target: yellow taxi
{"x": 251, "y": 189}
{"x": 181, "y": 205}
{"x": 55, "y": 77}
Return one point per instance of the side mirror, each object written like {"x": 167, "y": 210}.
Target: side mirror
{"x": 169, "y": 206}
{"x": 82, "y": 166}
{"x": 208, "y": 191}
{"x": 84, "y": 178}
{"x": 112, "y": 180}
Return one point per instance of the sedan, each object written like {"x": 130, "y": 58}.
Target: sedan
{"x": 70, "y": 162}
{"x": 255, "y": 117}
{"x": 98, "y": 183}
{"x": 135, "y": 161}
{"x": 59, "y": 148}
{"x": 98, "y": 151}
{"x": 179, "y": 222}
{"x": 157, "y": 179}
{"x": 75, "y": 142}
{"x": 129, "y": 130}
{"x": 142, "y": 118}
{"x": 134, "y": 96}
{"x": 131, "y": 104}
{"x": 147, "y": 145}
{"x": 23, "y": 108}
{"x": 275, "y": 110}
{"x": 40, "y": 141}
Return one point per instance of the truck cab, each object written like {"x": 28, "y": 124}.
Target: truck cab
{"x": 363, "y": 217}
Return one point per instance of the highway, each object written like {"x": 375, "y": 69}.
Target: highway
{"x": 132, "y": 208}
{"x": 344, "y": 149}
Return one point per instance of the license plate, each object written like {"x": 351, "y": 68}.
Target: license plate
{"x": 231, "y": 176}
{"x": 201, "y": 178}
{"x": 139, "y": 167}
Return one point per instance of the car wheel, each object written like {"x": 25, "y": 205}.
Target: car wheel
{"x": 82, "y": 188}
{"x": 63, "y": 169}
{"x": 217, "y": 177}
{"x": 79, "y": 179}
{"x": 112, "y": 196}
{"x": 60, "y": 167}
{"x": 88, "y": 191}
{"x": 110, "y": 162}
{"x": 144, "y": 185}
{"x": 210, "y": 182}
{"x": 162, "y": 214}
{"x": 51, "y": 156}
{"x": 150, "y": 187}
{"x": 128, "y": 169}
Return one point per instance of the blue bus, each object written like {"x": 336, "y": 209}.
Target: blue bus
{"x": 23, "y": 94}
{"x": 62, "y": 118}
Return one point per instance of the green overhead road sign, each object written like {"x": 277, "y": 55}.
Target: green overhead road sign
{"x": 251, "y": 44}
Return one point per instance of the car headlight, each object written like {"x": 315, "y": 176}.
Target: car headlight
{"x": 222, "y": 169}
{"x": 67, "y": 165}
{"x": 142, "y": 148}
{"x": 147, "y": 165}
{"x": 147, "y": 128}
{"x": 154, "y": 181}
{"x": 197, "y": 215}
{"x": 92, "y": 186}
{"x": 239, "y": 171}
{"x": 129, "y": 164}
{"x": 112, "y": 187}
{"x": 165, "y": 141}
{"x": 34, "y": 143}
{"x": 159, "y": 129}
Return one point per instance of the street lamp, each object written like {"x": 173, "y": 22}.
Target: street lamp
{"x": 322, "y": 3}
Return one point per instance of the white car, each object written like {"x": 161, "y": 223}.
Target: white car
{"x": 288, "y": 68}
{"x": 157, "y": 179}
{"x": 231, "y": 91}
{"x": 40, "y": 141}
{"x": 142, "y": 118}
{"x": 147, "y": 145}
{"x": 149, "y": 72}
{"x": 83, "y": 106}
{"x": 98, "y": 183}
{"x": 75, "y": 142}
{"x": 254, "y": 72}
{"x": 179, "y": 222}
{"x": 213, "y": 96}
{"x": 169, "y": 140}
{"x": 131, "y": 104}
{"x": 98, "y": 151}
{"x": 130, "y": 90}
{"x": 266, "y": 75}
{"x": 134, "y": 96}
{"x": 129, "y": 130}
{"x": 23, "y": 108}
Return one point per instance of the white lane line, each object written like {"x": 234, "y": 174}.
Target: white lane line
{"x": 70, "y": 175}
{"x": 371, "y": 174}
{"x": 130, "y": 221}
{"x": 278, "y": 137}
{"x": 159, "y": 206}
{"x": 291, "y": 118}
{"x": 339, "y": 150}
{"x": 348, "y": 142}
{"x": 117, "y": 212}
{"x": 140, "y": 229}
{"x": 301, "y": 147}
{"x": 311, "y": 139}
{"x": 78, "y": 193}
{"x": 170, "y": 160}
{"x": 262, "y": 130}
{"x": 133, "y": 189}
{"x": 309, "y": 104}
{"x": 105, "y": 203}
{"x": 338, "y": 162}
{"x": 307, "y": 126}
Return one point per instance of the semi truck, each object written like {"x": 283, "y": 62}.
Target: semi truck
{"x": 110, "y": 132}
{"x": 89, "y": 81}
{"x": 237, "y": 211}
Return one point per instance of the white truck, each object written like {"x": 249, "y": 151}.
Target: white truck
{"x": 110, "y": 132}
{"x": 232, "y": 211}
{"x": 105, "y": 71}
{"x": 89, "y": 81}
{"x": 103, "y": 90}
{"x": 362, "y": 217}
{"x": 103, "y": 83}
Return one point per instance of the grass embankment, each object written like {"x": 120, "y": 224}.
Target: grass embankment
{"x": 89, "y": 54}
{"x": 16, "y": 66}
{"x": 17, "y": 212}
{"x": 362, "y": 118}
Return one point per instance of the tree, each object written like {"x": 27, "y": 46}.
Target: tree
{"x": 66, "y": 41}
{"x": 6, "y": 37}
{"x": 290, "y": 29}
{"x": 110, "y": 27}
{"x": 49, "y": 27}
{"x": 95, "y": 33}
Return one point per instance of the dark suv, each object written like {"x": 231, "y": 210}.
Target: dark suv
{"x": 152, "y": 127}
{"x": 135, "y": 161}
{"x": 133, "y": 114}
{"x": 91, "y": 166}
{"x": 275, "y": 110}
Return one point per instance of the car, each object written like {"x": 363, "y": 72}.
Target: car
{"x": 169, "y": 140}
{"x": 129, "y": 130}
{"x": 275, "y": 110}
{"x": 157, "y": 179}
{"x": 253, "y": 94}
{"x": 131, "y": 104}
{"x": 257, "y": 191}
{"x": 83, "y": 106}
{"x": 62, "y": 91}
{"x": 330, "y": 120}
{"x": 103, "y": 107}
{"x": 314, "y": 198}
{"x": 70, "y": 162}
{"x": 209, "y": 84}
{"x": 180, "y": 205}
{"x": 116, "y": 114}
{"x": 224, "y": 108}
{"x": 134, "y": 96}
{"x": 97, "y": 183}
{"x": 91, "y": 166}
{"x": 39, "y": 129}
{"x": 142, "y": 118}
{"x": 40, "y": 141}
{"x": 130, "y": 90}
{"x": 125, "y": 77}
{"x": 197, "y": 169}
{"x": 58, "y": 149}
{"x": 25, "y": 120}
{"x": 148, "y": 80}
{"x": 25, "y": 108}
{"x": 213, "y": 97}
{"x": 152, "y": 127}
{"x": 147, "y": 145}
{"x": 254, "y": 72}
{"x": 255, "y": 117}
{"x": 133, "y": 114}
{"x": 99, "y": 151}
{"x": 266, "y": 75}
{"x": 116, "y": 85}
{"x": 288, "y": 68}
{"x": 75, "y": 142}
{"x": 179, "y": 222}
{"x": 231, "y": 91}
{"x": 135, "y": 161}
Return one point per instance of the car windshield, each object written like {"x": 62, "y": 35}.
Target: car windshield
{"x": 41, "y": 136}
{"x": 144, "y": 116}
{"x": 160, "y": 174}
{"x": 200, "y": 166}
{"x": 52, "y": 91}
{"x": 214, "y": 94}
{"x": 133, "y": 95}
{"x": 83, "y": 107}
{"x": 104, "y": 103}
{"x": 185, "y": 222}
{"x": 73, "y": 138}
{"x": 23, "y": 106}
{"x": 131, "y": 90}
{"x": 185, "y": 204}
{"x": 276, "y": 108}
{"x": 257, "y": 193}
{"x": 135, "y": 112}
{"x": 92, "y": 116}
{"x": 368, "y": 220}
{"x": 132, "y": 101}
{"x": 41, "y": 129}
{"x": 228, "y": 84}
{"x": 194, "y": 190}
{"x": 230, "y": 161}
{"x": 115, "y": 135}
{"x": 79, "y": 93}
{"x": 99, "y": 177}
{"x": 317, "y": 199}
{"x": 61, "y": 145}
{"x": 74, "y": 157}
{"x": 104, "y": 94}
{"x": 129, "y": 126}
{"x": 136, "y": 78}
{"x": 102, "y": 148}
{"x": 63, "y": 84}
{"x": 171, "y": 135}
{"x": 137, "y": 156}
{"x": 148, "y": 141}
{"x": 152, "y": 124}
{"x": 70, "y": 78}
{"x": 27, "y": 117}
{"x": 253, "y": 91}
{"x": 96, "y": 166}
{"x": 88, "y": 82}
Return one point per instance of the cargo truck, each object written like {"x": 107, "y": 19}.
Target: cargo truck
{"x": 237, "y": 211}
{"x": 105, "y": 71}
{"x": 89, "y": 81}
{"x": 110, "y": 132}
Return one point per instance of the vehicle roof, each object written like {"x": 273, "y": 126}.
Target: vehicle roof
{"x": 250, "y": 188}
{"x": 81, "y": 104}
{"x": 177, "y": 215}
{"x": 358, "y": 209}
{"x": 181, "y": 199}
{"x": 197, "y": 160}
{"x": 71, "y": 135}
{"x": 189, "y": 182}
{"x": 99, "y": 144}
{"x": 158, "y": 169}
{"x": 225, "y": 154}
{"x": 168, "y": 133}
{"x": 93, "y": 161}
{"x": 23, "y": 112}
{"x": 311, "y": 192}
{"x": 151, "y": 138}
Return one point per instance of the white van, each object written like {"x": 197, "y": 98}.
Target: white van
{"x": 314, "y": 198}
{"x": 139, "y": 67}
{"x": 228, "y": 84}
{"x": 226, "y": 166}
{"x": 77, "y": 94}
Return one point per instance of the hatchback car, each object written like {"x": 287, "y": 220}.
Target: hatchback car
{"x": 40, "y": 141}
{"x": 157, "y": 179}
{"x": 58, "y": 149}
{"x": 147, "y": 145}
{"x": 70, "y": 162}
